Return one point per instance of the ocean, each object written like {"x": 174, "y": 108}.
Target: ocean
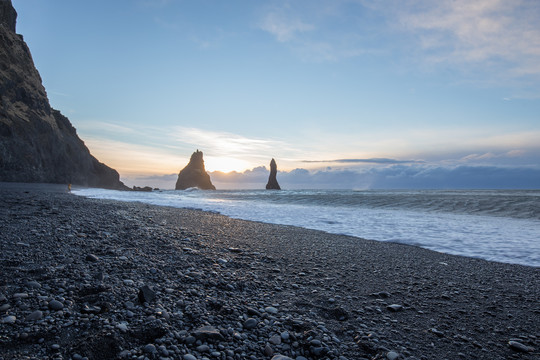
{"x": 497, "y": 225}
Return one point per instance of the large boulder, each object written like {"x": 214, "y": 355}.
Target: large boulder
{"x": 272, "y": 180}
{"x": 194, "y": 174}
{"x": 38, "y": 143}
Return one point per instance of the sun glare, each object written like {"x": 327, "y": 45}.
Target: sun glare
{"x": 225, "y": 164}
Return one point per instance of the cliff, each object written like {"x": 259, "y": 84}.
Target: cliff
{"x": 38, "y": 143}
{"x": 272, "y": 179}
{"x": 194, "y": 174}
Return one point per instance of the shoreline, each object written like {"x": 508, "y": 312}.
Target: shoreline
{"x": 309, "y": 293}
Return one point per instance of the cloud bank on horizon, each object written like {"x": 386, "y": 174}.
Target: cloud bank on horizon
{"x": 347, "y": 93}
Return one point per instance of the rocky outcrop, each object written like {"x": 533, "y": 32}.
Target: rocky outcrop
{"x": 38, "y": 143}
{"x": 194, "y": 174}
{"x": 272, "y": 180}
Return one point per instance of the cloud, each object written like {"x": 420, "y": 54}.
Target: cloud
{"x": 284, "y": 27}
{"x": 392, "y": 177}
{"x": 369, "y": 161}
{"x": 486, "y": 32}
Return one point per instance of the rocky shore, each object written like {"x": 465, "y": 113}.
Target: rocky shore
{"x": 95, "y": 279}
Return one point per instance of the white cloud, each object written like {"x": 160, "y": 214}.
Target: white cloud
{"x": 284, "y": 27}
{"x": 478, "y": 31}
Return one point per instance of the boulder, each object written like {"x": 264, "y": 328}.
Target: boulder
{"x": 38, "y": 143}
{"x": 194, "y": 174}
{"x": 272, "y": 180}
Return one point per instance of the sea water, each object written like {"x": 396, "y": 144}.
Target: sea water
{"x": 498, "y": 225}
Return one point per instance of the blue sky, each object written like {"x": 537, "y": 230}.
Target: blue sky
{"x": 422, "y": 86}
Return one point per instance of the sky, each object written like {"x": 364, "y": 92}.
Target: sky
{"x": 342, "y": 93}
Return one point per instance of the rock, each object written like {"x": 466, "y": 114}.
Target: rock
{"x": 55, "y": 305}
{"x": 272, "y": 179}
{"x": 275, "y": 340}
{"x": 271, "y": 310}
{"x": 194, "y": 174}
{"x": 9, "y": 319}
{"x": 189, "y": 357}
{"x": 33, "y": 284}
{"x": 150, "y": 348}
{"x": 281, "y": 357}
{"x": 203, "y": 348}
{"x": 91, "y": 258}
{"x": 36, "y": 315}
{"x": 143, "y": 189}
{"x": 395, "y": 307}
{"x": 8, "y": 15}
{"x": 208, "y": 332}
{"x": 38, "y": 143}
{"x": 268, "y": 351}
{"x": 392, "y": 355}
{"x": 250, "y": 323}
{"x": 519, "y": 347}
{"x": 146, "y": 294}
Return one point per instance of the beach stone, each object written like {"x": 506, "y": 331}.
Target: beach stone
{"x": 4, "y": 307}
{"x": 203, "y": 348}
{"x": 268, "y": 351}
{"x": 271, "y": 310}
{"x": 36, "y": 315}
{"x": 9, "y": 319}
{"x": 517, "y": 346}
{"x": 20, "y": 295}
{"x": 55, "y": 305}
{"x": 392, "y": 355}
{"x": 149, "y": 348}
{"x": 275, "y": 340}
{"x": 91, "y": 258}
{"x": 33, "y": 284}
{"x": 281, "y": 357}
{"x": 189, "y": 357}
{"x": 250, "y": 323}
{"x": 285, "y": 336}
{"x": 146, "y": 294}
{"x": 208, "y": 332}
{"x": 395, "y": 307}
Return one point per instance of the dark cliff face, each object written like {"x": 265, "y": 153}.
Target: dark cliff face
{"x": 38, "y": 143}
{"x": 194, "y": 174}
{"x": 272, "y": 179}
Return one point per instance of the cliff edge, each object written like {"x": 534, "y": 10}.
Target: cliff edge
{"x": 38, "y": 143}
{"x": 194, "y": 174}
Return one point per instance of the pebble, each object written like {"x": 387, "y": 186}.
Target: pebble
{"x": 281, "y": 357}
{"x": 208, "y": 332}
{"x": 395, "y": 307}
{"x": 36, "y": 315}
{"x": 55, "y": 305}
{"x": 91, "y": 258}
{"x": 20, "y": 295}
{"x": 189, "y": 357}
{"x": 250, "y": 323}
{"x": 517, "y": 346}
{"x": 9, "y": 319}
{"x": 149, "y": 348}
{"x": 275, "y": 340}
{"x": 271, "y": 310}
{"x": 203, "y": 348}
{"x": 146, "y": 294}
{"x": 392, "y": 355}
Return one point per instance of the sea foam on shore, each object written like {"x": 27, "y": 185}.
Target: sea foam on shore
{"x": 494, "y": 225}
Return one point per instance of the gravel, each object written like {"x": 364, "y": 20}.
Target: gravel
{"x": 96, "y": 279}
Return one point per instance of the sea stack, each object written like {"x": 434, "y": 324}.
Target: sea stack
{"x": 38, "y": 143}
{"x": 194, "y": 174}
{"x": 272, "y": 180}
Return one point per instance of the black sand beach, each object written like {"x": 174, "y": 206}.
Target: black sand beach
{"x": 83, "y": 278}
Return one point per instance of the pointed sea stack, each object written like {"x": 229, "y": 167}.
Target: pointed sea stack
{"x": 194, "y": 174}
{"x": 272, "y": 180}
{"x": 38, "y": 143}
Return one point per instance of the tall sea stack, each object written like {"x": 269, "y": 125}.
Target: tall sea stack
{"x": 38, "y": 143}
{"x": 272, "y": 180}
{"x": 194, "y": 174}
